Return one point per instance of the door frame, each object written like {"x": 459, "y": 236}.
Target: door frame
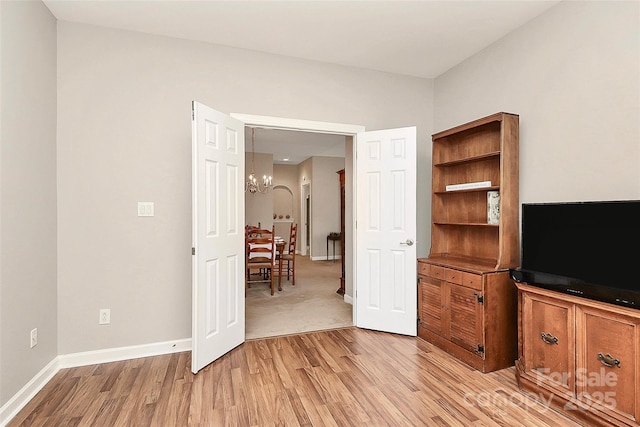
{"x": 282, "y": 123}
{"x": 305, "y": 192}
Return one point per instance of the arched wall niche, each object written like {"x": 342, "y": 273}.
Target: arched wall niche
{"x": 282, "y": 203}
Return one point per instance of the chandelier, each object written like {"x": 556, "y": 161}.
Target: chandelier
{"x": 253, "y": 186}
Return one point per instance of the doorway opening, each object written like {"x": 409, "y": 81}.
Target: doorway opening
{"x": 305, "y": 216}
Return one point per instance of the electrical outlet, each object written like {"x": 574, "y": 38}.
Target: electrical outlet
{"x": 105, "y": 316}
{"x": 34, "y": 337}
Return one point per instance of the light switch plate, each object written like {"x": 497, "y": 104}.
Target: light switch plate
{"x": 145, "y": 209}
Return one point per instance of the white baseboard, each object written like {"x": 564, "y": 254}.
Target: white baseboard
{"x": 26, "y": 393}
{"x": 22, "y": 397}
{"x": 123, "y": 353}
{"x": 324, "y": 258}
{"x": 348, "y": 299}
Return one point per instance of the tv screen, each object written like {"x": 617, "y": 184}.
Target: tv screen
{"x": 596, "y": 243}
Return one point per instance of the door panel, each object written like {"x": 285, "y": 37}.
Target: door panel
{"x": 431, "y": 303}
{"x": 374, "y": 295}
{"x": 607, "y": 366}
{"x": 549, "y": 338}
{"x": 218, "y": 236}
{"x": 386, "y": 297}
{"x": 465, "y": 325}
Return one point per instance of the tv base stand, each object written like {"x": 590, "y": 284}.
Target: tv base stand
{"x": 580, "y": 356}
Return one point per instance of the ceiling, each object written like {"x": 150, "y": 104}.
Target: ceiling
{"x": 414, "y": 38}
{"x": 293, "y": 145}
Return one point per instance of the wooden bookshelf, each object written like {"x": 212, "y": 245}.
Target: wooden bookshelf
{"x": 467, "y": 302}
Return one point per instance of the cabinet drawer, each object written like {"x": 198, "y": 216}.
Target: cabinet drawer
{"x": 437, "y": 272}
{"x": 431, "y": 270}
{"x": 453, "y": 276}
{"x": 423, "y": 268}
{"x": 471, "y": 280}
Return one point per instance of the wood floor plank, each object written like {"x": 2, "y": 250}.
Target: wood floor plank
{"x": 402, "y": 398}
{"x": 299, "y": 411}
{"x": 317, "y": 413}
{"x": 165, "y": 391}
{"x": 342, "y": 377}
{"x": 360, "y": 394}
{"x": 281, "y": 368}
{"x": 135, "y": 391}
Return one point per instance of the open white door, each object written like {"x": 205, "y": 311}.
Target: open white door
{"x": 386, "y": 291}
{"x": 218, "y": 235}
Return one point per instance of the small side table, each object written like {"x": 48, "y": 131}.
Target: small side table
{"x": 333, "y": 237}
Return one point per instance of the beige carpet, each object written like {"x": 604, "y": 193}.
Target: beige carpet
{"x": 311, "y": 305}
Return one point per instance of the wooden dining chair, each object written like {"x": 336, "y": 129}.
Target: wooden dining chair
{"x": 260, "y": 256}
{"x": 289, "y": 255}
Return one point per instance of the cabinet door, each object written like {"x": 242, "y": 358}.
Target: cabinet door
{"x": 607, "y": 361}
{"x": 431, "y": 304}
{"x": 465, "y": 323}
{"x": 549, "y": 342}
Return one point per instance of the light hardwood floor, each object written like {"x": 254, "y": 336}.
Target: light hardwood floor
{"x": 341, "y": 377}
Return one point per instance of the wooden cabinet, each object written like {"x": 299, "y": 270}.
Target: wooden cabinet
{"x": 464, "y": 313}
{"x": 466, "y": 298}
{"x": 580, "y": 356}
{"x": 450, "y": 310}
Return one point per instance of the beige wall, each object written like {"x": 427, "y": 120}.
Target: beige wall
{"x": 124, "y": 135}
{"x": 258, "y": 207}
{"x": 320, "y": 173}
{"x": 286, "y": 201}
{"x": 325, "y": 201}
{"x": 573, "y": 76}
{"x": 27, "y": 193}
{"x": 325, "y": 204}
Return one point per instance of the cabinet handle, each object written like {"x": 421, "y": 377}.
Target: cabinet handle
{"x": 608, "y": 360}
{"x": 548, "y": 338}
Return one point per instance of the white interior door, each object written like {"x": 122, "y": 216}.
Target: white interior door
{"x": 218, "y": 235}
{"x": 386, "y": 290}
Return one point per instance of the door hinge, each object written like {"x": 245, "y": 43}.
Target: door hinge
{"x": 480, "y": 298}
{"x": 193, "y": 251}
{"x": 480, "y": 349}
{"x": 193, "y": 114}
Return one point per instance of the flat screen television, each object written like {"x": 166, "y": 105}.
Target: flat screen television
{"x": 588, "y": 249}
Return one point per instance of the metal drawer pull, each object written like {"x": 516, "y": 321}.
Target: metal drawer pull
{"x": 548, "y": 338}
{"x": 608, "y": 360}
